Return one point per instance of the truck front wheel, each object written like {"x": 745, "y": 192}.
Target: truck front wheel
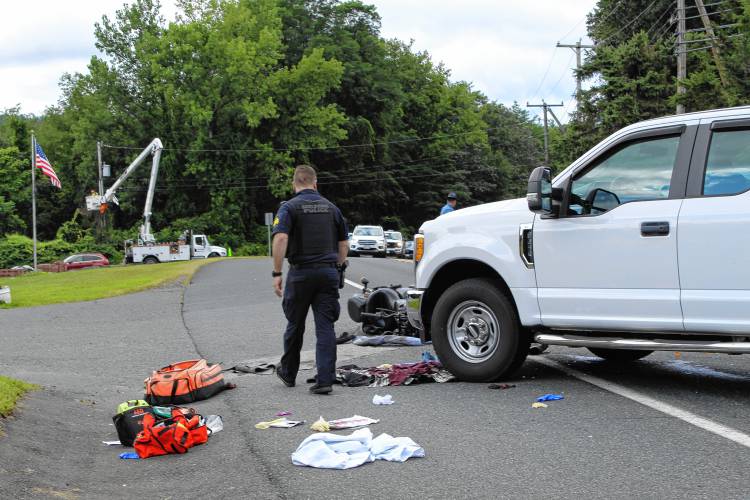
{"x": 476, "y": 333}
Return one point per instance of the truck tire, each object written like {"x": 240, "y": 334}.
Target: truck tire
{"x": 476, "y": 333}
{"x": 619, "y": 355}
{"x": 150, "y": 260}
{"x": 213, "y": 255}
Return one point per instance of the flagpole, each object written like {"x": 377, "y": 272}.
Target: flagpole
{"x": 33, "y": 192}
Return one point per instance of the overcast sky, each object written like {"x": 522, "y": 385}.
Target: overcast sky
{"x": 506, "y": 48}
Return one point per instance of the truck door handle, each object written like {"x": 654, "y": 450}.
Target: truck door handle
{"x": 655, "y": 228}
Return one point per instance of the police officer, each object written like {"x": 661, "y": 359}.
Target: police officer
{"x": 311, "y": 232}
{"x": 450, "y": 205}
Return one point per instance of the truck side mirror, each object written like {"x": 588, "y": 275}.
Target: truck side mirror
{"x": 539, "y": 192}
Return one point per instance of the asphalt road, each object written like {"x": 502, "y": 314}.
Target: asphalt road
{"x": 685, "y": 441}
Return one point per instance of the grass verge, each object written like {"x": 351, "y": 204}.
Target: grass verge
{"x": 36, "y": 289}
{"x": 10, "y": 391}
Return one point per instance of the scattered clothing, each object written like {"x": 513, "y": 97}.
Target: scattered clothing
{"x": 129, "y": 455}
{"x": 112, "y": 443}
{"x": 282, "y": 423}
{"x": 550, "y": 397}
{"x": 382, "y": 400}
{"x": 283, "y": 413}
{"x": 500, "y": 386}
{"x": 258, "y": 368}
{"x": 320, "y": 425}
{"x": 214, "y": 424}
{"x": 331, "y": 451}
{"x": 538, "y": 405}
{"x": 428, "y": 356}
{"x": 386, "y": 340}
{"x": 351, "y": 422}
{"x": 385, "y": 375}
{"x": 344, "y": 338}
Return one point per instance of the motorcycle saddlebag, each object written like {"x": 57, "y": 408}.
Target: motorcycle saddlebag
{"x": 184, "y": 382}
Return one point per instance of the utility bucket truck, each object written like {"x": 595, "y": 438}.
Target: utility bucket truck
{"x": 146, "y": 249}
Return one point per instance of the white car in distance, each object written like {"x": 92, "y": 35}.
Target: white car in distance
{"x": 394, "y": 243}
{"x": 367, "y": 240}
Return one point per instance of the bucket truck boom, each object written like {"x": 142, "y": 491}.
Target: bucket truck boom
{"x": 101, "y": 201}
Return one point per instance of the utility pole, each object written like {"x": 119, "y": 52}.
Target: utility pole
{"x": 100, "y": 215}
{"x": 681, "y": 53}
{"x": 577, "y": 48}
{"x": 546, "y": 107}
{"x": 714, "y": 45}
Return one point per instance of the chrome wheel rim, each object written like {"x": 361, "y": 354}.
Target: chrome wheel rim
{"x": 473, "y": 331}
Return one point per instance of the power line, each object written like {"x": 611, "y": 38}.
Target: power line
{"x": 481, "y": 168}
{"x": 549, "y": 65}
{"x": 357, "y": 170}
{"x": 567, "y": 66}
{"x": 632, "y": 21}
{"x": 310, "y": 148}
{"x": 668, "y": 10}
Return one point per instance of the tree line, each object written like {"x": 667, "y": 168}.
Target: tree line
{"x": 241, "y": 91}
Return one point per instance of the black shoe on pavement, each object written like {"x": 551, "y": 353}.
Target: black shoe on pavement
{"x": 321, "y": 389}
{"x": 287, "y": 382}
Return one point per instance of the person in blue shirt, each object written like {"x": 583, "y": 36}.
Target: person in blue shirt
{"x": 450, "y": 205}
{"x": 311, "y": 233}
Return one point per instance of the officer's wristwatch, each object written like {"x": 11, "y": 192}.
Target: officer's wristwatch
{"x": 276, "y": 274}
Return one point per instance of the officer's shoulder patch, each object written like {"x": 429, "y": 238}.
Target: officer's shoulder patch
{"x": 276, "y": 221}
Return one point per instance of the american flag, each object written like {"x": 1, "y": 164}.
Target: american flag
{"x": 43, "y": 163}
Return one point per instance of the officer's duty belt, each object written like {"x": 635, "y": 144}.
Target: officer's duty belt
{"x": 313, "y": 265}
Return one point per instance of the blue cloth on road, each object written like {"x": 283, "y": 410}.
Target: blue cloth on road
{"x": 129, "y": 455}
{"x": 386, "y": 340}
{"x": 428, "y": 356}
{"x": 550, "y": 397}
{"x": 333, "y": 451}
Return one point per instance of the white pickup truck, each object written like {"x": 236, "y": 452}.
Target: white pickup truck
{"x": 642, "y": 244}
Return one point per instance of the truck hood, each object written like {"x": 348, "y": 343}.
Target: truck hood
{"x": 515, "y": 211}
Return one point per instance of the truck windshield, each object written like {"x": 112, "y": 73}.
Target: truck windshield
{"x": 368, "y": 231}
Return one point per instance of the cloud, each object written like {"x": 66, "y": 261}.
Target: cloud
{"x": 505, "y": 49}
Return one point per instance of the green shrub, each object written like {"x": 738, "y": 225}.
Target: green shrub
{"x": 249, "y": 249}
{"x": 16, "y": 250}
{"x": 54, "y": 250}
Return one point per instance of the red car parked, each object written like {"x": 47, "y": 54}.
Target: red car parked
{"x": 84, "y": 260}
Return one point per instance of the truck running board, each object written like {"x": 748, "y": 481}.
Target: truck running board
{"x": 644, "y": 344}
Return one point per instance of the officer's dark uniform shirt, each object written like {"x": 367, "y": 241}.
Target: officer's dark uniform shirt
{"x": 314, "y": 225}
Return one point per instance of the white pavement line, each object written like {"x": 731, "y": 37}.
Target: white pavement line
{"x": 355, "y": 285}
{"x": 673, "y": 411}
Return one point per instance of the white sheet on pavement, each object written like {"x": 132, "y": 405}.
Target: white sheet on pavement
{"x": 332, "y": 451}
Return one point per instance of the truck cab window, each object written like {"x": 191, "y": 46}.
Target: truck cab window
{"x": 728, "y": 164}
{"x": 199, "y": 242}
{"x": 639, "y": 171}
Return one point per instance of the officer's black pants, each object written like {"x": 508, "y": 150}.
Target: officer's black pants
{"x": 319, "y": 288}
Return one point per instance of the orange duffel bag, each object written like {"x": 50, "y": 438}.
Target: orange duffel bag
{"x": 184, "y": 382}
